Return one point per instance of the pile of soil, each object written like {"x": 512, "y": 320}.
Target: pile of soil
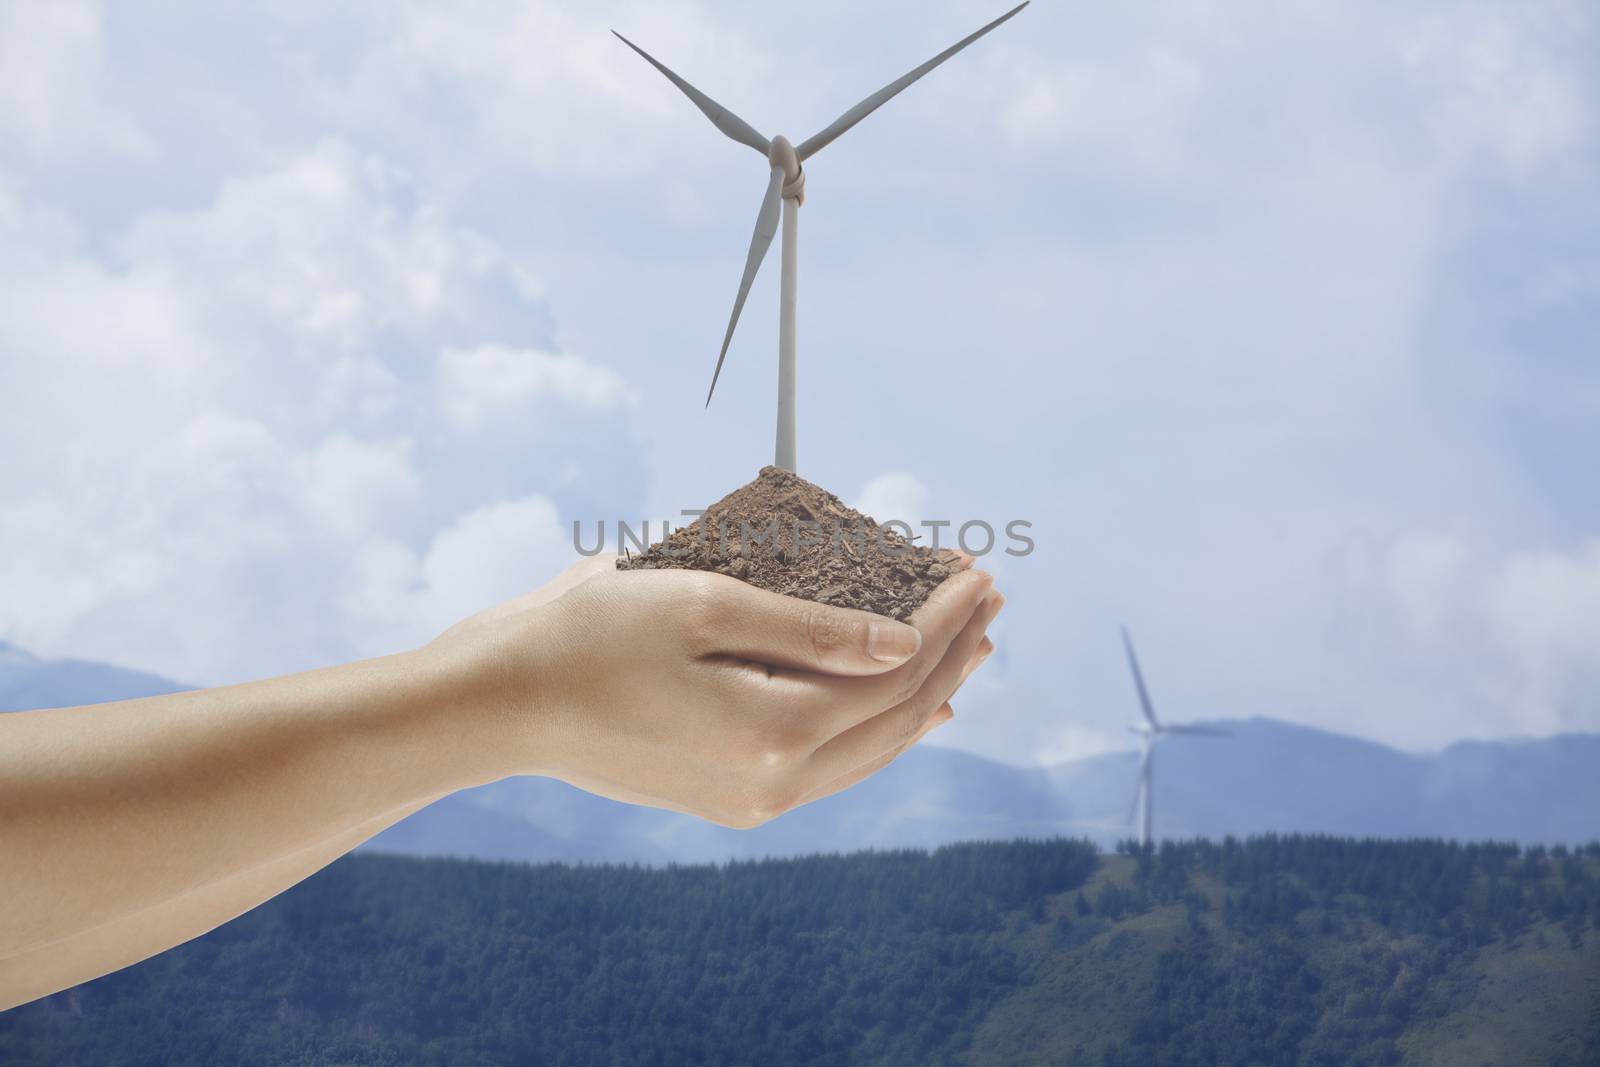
{"x": 782, "y": 533}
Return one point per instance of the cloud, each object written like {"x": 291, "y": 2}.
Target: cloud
{"x": 332, "y": 250}
{"x": 491, "y": 554}
{"x": 53, "y": 104}
{"x": 219, "y": 418}
{"x": 1485, "y": 640}
{"x": 1425, "y": 573}
{"x": 1075, "y": 743}
{"x": 1495, "y": 83}
{"x": 492, "y": 381}
{"x": 1276, "y": 323}
{"x": 895, "y": 495}
{"x": 1134, "y": 112}
{"x": 487, "y": 555}
{"x": 1544, "y": 611}
{"x": 354, "y": 485}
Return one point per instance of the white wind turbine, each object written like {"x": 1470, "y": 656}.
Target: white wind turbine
{"x": 1151, "y": 730}
{"x": 788, "y": 183}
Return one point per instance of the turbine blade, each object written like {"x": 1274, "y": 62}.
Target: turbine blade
{"x": 760, "y": 241}
{"x": 815, "y": 143}
{"x": 1138, "y": 680}
{"x": 725, "y": 120}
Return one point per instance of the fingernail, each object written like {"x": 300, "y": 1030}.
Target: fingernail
{"x": 892, "y": 642}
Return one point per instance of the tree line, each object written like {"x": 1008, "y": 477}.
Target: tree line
{"x": 1271, "y": 950}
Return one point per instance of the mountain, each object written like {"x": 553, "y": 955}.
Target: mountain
{"x": 26, "y": 681}
{"x": 1269, "y": 776}
{"x": 1278, "y": 777}
{"x": 1274, "y": 950}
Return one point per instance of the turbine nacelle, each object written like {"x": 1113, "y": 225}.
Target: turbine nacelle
{"x": 783, "y": 157}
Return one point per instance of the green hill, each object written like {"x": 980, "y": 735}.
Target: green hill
{"x": 1293, "y": 950}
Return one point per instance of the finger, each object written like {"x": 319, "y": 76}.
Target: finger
{"x": 984, "y": 651}
{"x": 839, "y": 704}
{"x": 844, "y": 781}
{"x": 943, "y": 714}
{"x": 890, "y": 729}
{"x": 955, "y": 559}
{"x": 782, "y": 631}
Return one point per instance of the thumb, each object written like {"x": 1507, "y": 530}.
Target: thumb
{"x": 788, "y": 632}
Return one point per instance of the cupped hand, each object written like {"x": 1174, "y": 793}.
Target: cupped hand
{"x": 699, "y": 693}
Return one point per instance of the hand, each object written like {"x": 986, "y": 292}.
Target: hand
{"x": 699, "y": 693}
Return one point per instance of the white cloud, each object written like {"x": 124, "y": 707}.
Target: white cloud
{"x": 1478, "y": 641}
{"x": 895, "y": 495}
{"x": 1496, "y": 84}
{"x": 488, "y": 555}
{"x": 357, "y": 485}
{"x": 548, "y": 87}
{"x": 331, "y": 248}
{"x": 491, "y": 554}
{"x": 1133, "y": 112}
{"x": 221, "y": 417}
{"x": 1070, "y": 743}
{"x": 52, "y": 91}
{"x": 1544, "y": 611}
{"x": 1425, "y": 576}
{"x": 493, "y": 381}
{"x": 1211, "y": 296}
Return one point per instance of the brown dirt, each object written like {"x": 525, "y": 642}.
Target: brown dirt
{"x": 784, "y": 534}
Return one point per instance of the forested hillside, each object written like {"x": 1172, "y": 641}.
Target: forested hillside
{"x": 1293, "y": 950}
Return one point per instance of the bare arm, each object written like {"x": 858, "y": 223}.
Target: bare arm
{"x": 138, "y": 935}
{"x": 127, "y": 828}
{"x": 108, "y": 810}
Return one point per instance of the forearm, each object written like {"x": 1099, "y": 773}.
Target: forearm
{"x": 112, "y": 809}
{"x": 124, "y": 941}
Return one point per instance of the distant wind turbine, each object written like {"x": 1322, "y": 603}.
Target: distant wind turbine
{"x": 1151, "y": 730}
{"x": 788, "y": 183}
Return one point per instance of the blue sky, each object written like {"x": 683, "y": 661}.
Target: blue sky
{"x": 318, "y": 328}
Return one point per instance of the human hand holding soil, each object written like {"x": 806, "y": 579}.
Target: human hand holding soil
{"x": 699, "y": 693}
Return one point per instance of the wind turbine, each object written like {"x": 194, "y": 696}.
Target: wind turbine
{"x": 1151, "y": 730}
{"x": 788, "y": 183}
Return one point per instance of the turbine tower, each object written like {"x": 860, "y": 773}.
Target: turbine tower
{"x": 1151, "y": 730}
{"x": 788, "y": 184}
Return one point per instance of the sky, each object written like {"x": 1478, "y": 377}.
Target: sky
{"x": 321, "y": 324}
